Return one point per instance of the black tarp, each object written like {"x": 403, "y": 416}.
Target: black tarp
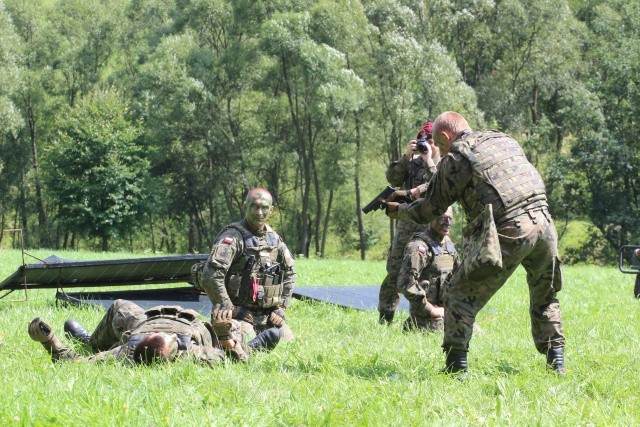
{"x": 357, "y": 297}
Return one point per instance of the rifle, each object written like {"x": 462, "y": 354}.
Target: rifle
{"x": 376, "y": 203}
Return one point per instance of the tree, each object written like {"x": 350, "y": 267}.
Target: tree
{"x": 608, "y": 156}
{"x": 314, "y": 79}
{"x": 96, "y": 170}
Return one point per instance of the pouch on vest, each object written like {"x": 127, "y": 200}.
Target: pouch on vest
{"x": 247, "y": 282}
{"x": 482, "y": 254}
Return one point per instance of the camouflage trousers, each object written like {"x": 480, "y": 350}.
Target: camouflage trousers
{"x": 389, "y": 296}
{"x": 121, "y": 316}
{"x": 529, "y": 240}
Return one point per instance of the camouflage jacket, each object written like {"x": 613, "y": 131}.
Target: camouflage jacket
{"x": 475, "y": 173}
{"x": 410, "y": 173}
{"x": 249, "y": 270}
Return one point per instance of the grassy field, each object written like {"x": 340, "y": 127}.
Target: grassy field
{"x": 344, "y": 368}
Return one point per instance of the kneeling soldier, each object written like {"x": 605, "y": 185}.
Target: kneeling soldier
{"x": 429, "y": 260}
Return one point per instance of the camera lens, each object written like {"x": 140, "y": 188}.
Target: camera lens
{"x": 421, "y": 146}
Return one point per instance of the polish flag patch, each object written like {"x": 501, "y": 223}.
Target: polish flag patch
{"x": 422, "y": 249}
{"x": 227, "y": 240}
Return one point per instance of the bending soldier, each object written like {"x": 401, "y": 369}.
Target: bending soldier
{"x": 508, "y": 224}
{"x": 429, "y": 260}
{"x": 411, "y": 172}
{"x": 250, "y": 271}
{"x": 128, "y": 332}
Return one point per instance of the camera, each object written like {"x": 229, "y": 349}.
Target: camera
{"x": 422, "y": 145}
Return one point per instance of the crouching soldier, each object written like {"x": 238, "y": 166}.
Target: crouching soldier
{"x": 429, "y": 260}
{"x": 249, "y": 274}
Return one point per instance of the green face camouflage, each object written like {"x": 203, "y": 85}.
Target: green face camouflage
{"x": 442, "y": 224}
{"x": 258, "y": 208}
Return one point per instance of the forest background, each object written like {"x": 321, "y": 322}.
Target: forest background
{"x": 138, "y": 125}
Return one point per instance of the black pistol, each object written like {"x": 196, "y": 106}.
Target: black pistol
{"x": 376, "y": 203}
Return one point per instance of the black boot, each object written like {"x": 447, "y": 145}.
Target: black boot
{"x": 555, "y": 359}
{"x": 456, "y": 362}
{"x": 386, "y": 317}
{"x": 636, "y": 289}
{"x": 265, "y": 340}
{"x": 75, "y": 331}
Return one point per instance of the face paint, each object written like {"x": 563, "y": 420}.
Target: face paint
{"x": 442, "y": 224}
{"x": 258, "y": 209}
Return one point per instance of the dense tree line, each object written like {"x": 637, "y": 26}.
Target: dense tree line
{"x": 137, "y": 125}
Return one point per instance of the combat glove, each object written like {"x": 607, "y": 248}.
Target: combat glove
{"x": 276, "y": 318}
{"x": 221, "y": 320}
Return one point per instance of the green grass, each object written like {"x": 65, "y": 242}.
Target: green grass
{"x": 344, "y": 368}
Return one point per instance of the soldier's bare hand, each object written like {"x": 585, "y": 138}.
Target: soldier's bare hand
{"x": 411, "y": 148}
{"x": 392, "y": 209}
{"x": 437, "y": 311}
{"x": 39, "y": 330}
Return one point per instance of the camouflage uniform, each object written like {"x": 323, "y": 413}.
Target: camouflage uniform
{"x": 490, "y": 168}
{"x": 253, "y": 274}
{"x": 428, "y": 262}
{"x": 125, "y": 324}
{"x": 406, "y": 174}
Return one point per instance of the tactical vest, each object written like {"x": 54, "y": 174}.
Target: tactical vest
{"x": 172, "y": 320}
{"x": 440, "y": 267}
{"x": 255, "y": 279}
{"x": 502, "y": 176}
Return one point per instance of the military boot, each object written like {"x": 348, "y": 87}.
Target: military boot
{"x": 40, "y": 331}
{"x": 74, "y": 330}
{"x": 386, "y": 317}
{"x": 555, "y": 360}
{"x": 265, "y": 340}
{"x": 456, "y": 362}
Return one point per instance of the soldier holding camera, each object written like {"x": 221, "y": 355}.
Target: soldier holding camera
{"x": 411, "y": 173}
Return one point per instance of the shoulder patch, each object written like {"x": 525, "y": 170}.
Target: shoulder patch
{"x": 227, "y": 240}
{"x": 422, "y": 249}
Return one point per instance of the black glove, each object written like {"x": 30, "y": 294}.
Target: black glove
{"x": 221, "y": 321}
{"x": 276, "y": 318}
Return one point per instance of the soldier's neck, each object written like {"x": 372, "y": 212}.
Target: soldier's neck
{"x": 258, "y": 230}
